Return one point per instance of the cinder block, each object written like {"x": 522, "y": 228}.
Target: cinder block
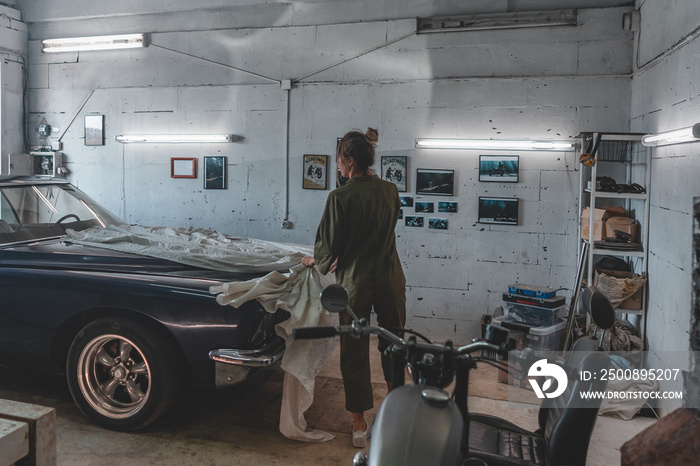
{"x": 41, "y": 422}
{"x": 14, "y": 441}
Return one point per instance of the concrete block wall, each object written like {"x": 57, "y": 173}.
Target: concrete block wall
{"x": 665, "y": 96}
{"x": 548, "y": 83}
{"x": 13, "y": 39}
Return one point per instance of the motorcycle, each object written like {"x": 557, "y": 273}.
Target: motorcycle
{"x": 422, "y": 423}
{"x": 441, "y": 434}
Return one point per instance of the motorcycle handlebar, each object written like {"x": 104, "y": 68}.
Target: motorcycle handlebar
{"x": 306, "y": 333}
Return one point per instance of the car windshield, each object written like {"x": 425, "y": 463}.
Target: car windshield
{"x": 31, "y": 212}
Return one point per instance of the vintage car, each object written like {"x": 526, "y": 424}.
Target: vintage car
{"x": 127, "y": 330}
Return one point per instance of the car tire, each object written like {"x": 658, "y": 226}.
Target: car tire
{"x": 122, "y": 375}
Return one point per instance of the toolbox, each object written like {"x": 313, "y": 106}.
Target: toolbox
{"x": 532, "y": 291}
{"x": 534, "y": 316}
{"x": 550, "y": 338}
{"x": 550, "y": 303}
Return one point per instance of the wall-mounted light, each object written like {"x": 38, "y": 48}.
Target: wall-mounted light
{"x": 494, "y": 144}
{"x": 79, "y": 44}
{"x": 176, "y": 138}
{"x": 496, "y": 21}
{"x": 678, "y": 136}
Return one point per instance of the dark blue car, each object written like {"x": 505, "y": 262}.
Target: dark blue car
{"x": 127, "y": 330}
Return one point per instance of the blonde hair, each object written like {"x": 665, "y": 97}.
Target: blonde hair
{"x": 359, "y": 146}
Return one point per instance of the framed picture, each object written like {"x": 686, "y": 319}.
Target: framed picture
{"x": 413, "y": 221}
{"x": 435, "y": 182}
{"x": 501, "y": 210}
{"x": 406, "y": 201}
{"x": 437, "y": 223}
{"x": 424, "y": 207}
{"x": 499, "y": 168}
{"x": 394, "y": 169}
{"x": 183, "y": 167}
{"x": 215, "y": 172}
{"x": 340, "y": 180}
{"x": 447, "y": 207}
{"x": 315, "y": 172}
{"x": 94, "y": 130}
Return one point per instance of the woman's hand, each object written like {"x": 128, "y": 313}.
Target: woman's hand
{"x": 333, "y": 266}
{"x": 308, "y": 261}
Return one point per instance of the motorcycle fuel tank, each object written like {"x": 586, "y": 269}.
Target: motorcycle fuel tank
{"x": 416, "y": 425}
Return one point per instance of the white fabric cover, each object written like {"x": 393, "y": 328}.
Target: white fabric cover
{"x": 297, "y": 292}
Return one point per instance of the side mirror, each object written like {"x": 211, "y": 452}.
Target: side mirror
{"x": 599, "y": 306}
{"x": 334, "y": 298}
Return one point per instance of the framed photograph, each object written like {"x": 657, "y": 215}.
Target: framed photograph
{"x": 447, "y": 207}
{"x": 435, "y": 182}
{"x": 394, "y": 169}
{"x": 499, "y": 168}
{"x": 183, "y": 167}
{"x": 413, "y": 221}
{"x": 94, "y": 130}
{"x": 315, "y": 172}
{"x": 406, "y": 201}
{"x": 424, "y": 207}
{"x": 501, "y": 210}
{"x": 215, "y": 172}
{"x": 437, "y": 223}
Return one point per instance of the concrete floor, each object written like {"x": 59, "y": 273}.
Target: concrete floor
{"x": 239, "y": 426}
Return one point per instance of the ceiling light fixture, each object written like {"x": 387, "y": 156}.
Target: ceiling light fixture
{"x": 677, "y": 136}
{"x": 497, "y": 21}
{"x": 176, "y": 138}
{"x": 494, "y": 144}
{"x": 79, "y": 44}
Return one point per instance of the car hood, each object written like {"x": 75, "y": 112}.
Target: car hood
{"x": 56, "y": 253}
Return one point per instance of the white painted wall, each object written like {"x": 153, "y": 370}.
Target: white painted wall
{"x": 536, "y": 84}
{"x": 665, "y": 95}
{"x": 13, "y": 38}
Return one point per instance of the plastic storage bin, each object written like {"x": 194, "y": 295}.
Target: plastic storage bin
{"x": 534, "y": 315}
{"x": 549, "y": 338}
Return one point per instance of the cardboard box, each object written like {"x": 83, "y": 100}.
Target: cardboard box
{"x": 599, "y": 218}
{"x": 624, "y": 224}
{"x": 632, "y": 303}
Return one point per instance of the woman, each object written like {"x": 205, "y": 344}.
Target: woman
{"x": 356, "y": 240}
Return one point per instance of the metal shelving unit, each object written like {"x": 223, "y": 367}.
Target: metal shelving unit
{"x": 634, "y": 165}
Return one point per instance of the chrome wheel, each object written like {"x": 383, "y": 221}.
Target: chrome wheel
{"x": 114, "y": 376}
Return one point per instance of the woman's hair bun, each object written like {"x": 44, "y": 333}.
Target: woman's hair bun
{"x": 372, "y": 135}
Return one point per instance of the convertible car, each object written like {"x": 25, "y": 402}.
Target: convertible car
{"x": 128, "y": 330}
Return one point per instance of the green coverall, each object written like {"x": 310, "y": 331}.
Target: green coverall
{"x": 357, "y": 227}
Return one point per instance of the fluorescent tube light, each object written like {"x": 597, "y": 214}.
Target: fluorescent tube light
{"x": 175, "y": 138}
{"x": 494, "y": 144}
{"x": 78, "y": 44}
{"x": 496, "y": 21}
{"x": 678, "y": 136}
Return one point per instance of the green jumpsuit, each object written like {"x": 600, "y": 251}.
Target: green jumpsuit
{"x": 357, "y": 227}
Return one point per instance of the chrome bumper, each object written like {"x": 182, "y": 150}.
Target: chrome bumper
{"x": 233, "y": 366}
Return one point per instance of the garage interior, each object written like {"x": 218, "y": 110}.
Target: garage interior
{"x": 283, "y": 80}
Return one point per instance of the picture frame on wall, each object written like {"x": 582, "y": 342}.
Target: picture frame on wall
{"x": 406, "y": 201}
{"x": 315, "y": 172}
{"x": 447, "y": 207}
{"x": 395, "y": 169}
{"x": 435, "y": 182}
{"x": 94, "y": 130}
{"x": 499, "y": 168}
{"x": 215, "y": 172}
{"x": 425, "y": 207}
{"x": 183, "y": 167}
{"x": 413, "y": 221}
{"x": 499, "y": 210}
{"x": 437, "y": 223}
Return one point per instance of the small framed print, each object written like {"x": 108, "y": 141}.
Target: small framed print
{"x": 413, "y": 221}
{"x": 499, "y": 168}
{"x": 315, "y": 172}
{"x": 435, "y": 182}
{"x": 215, "y": 172}
{"x": 94, "y": 130}
{"x": 181, "y": 167}
{"x": 437, "y": 224}
{"x": 406, "y": 201}
{"x": 500, "y": 210}
{"x": 425, "y": 207}
{"x": 447, "y": 207}
{"x": 394, "y": 169}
